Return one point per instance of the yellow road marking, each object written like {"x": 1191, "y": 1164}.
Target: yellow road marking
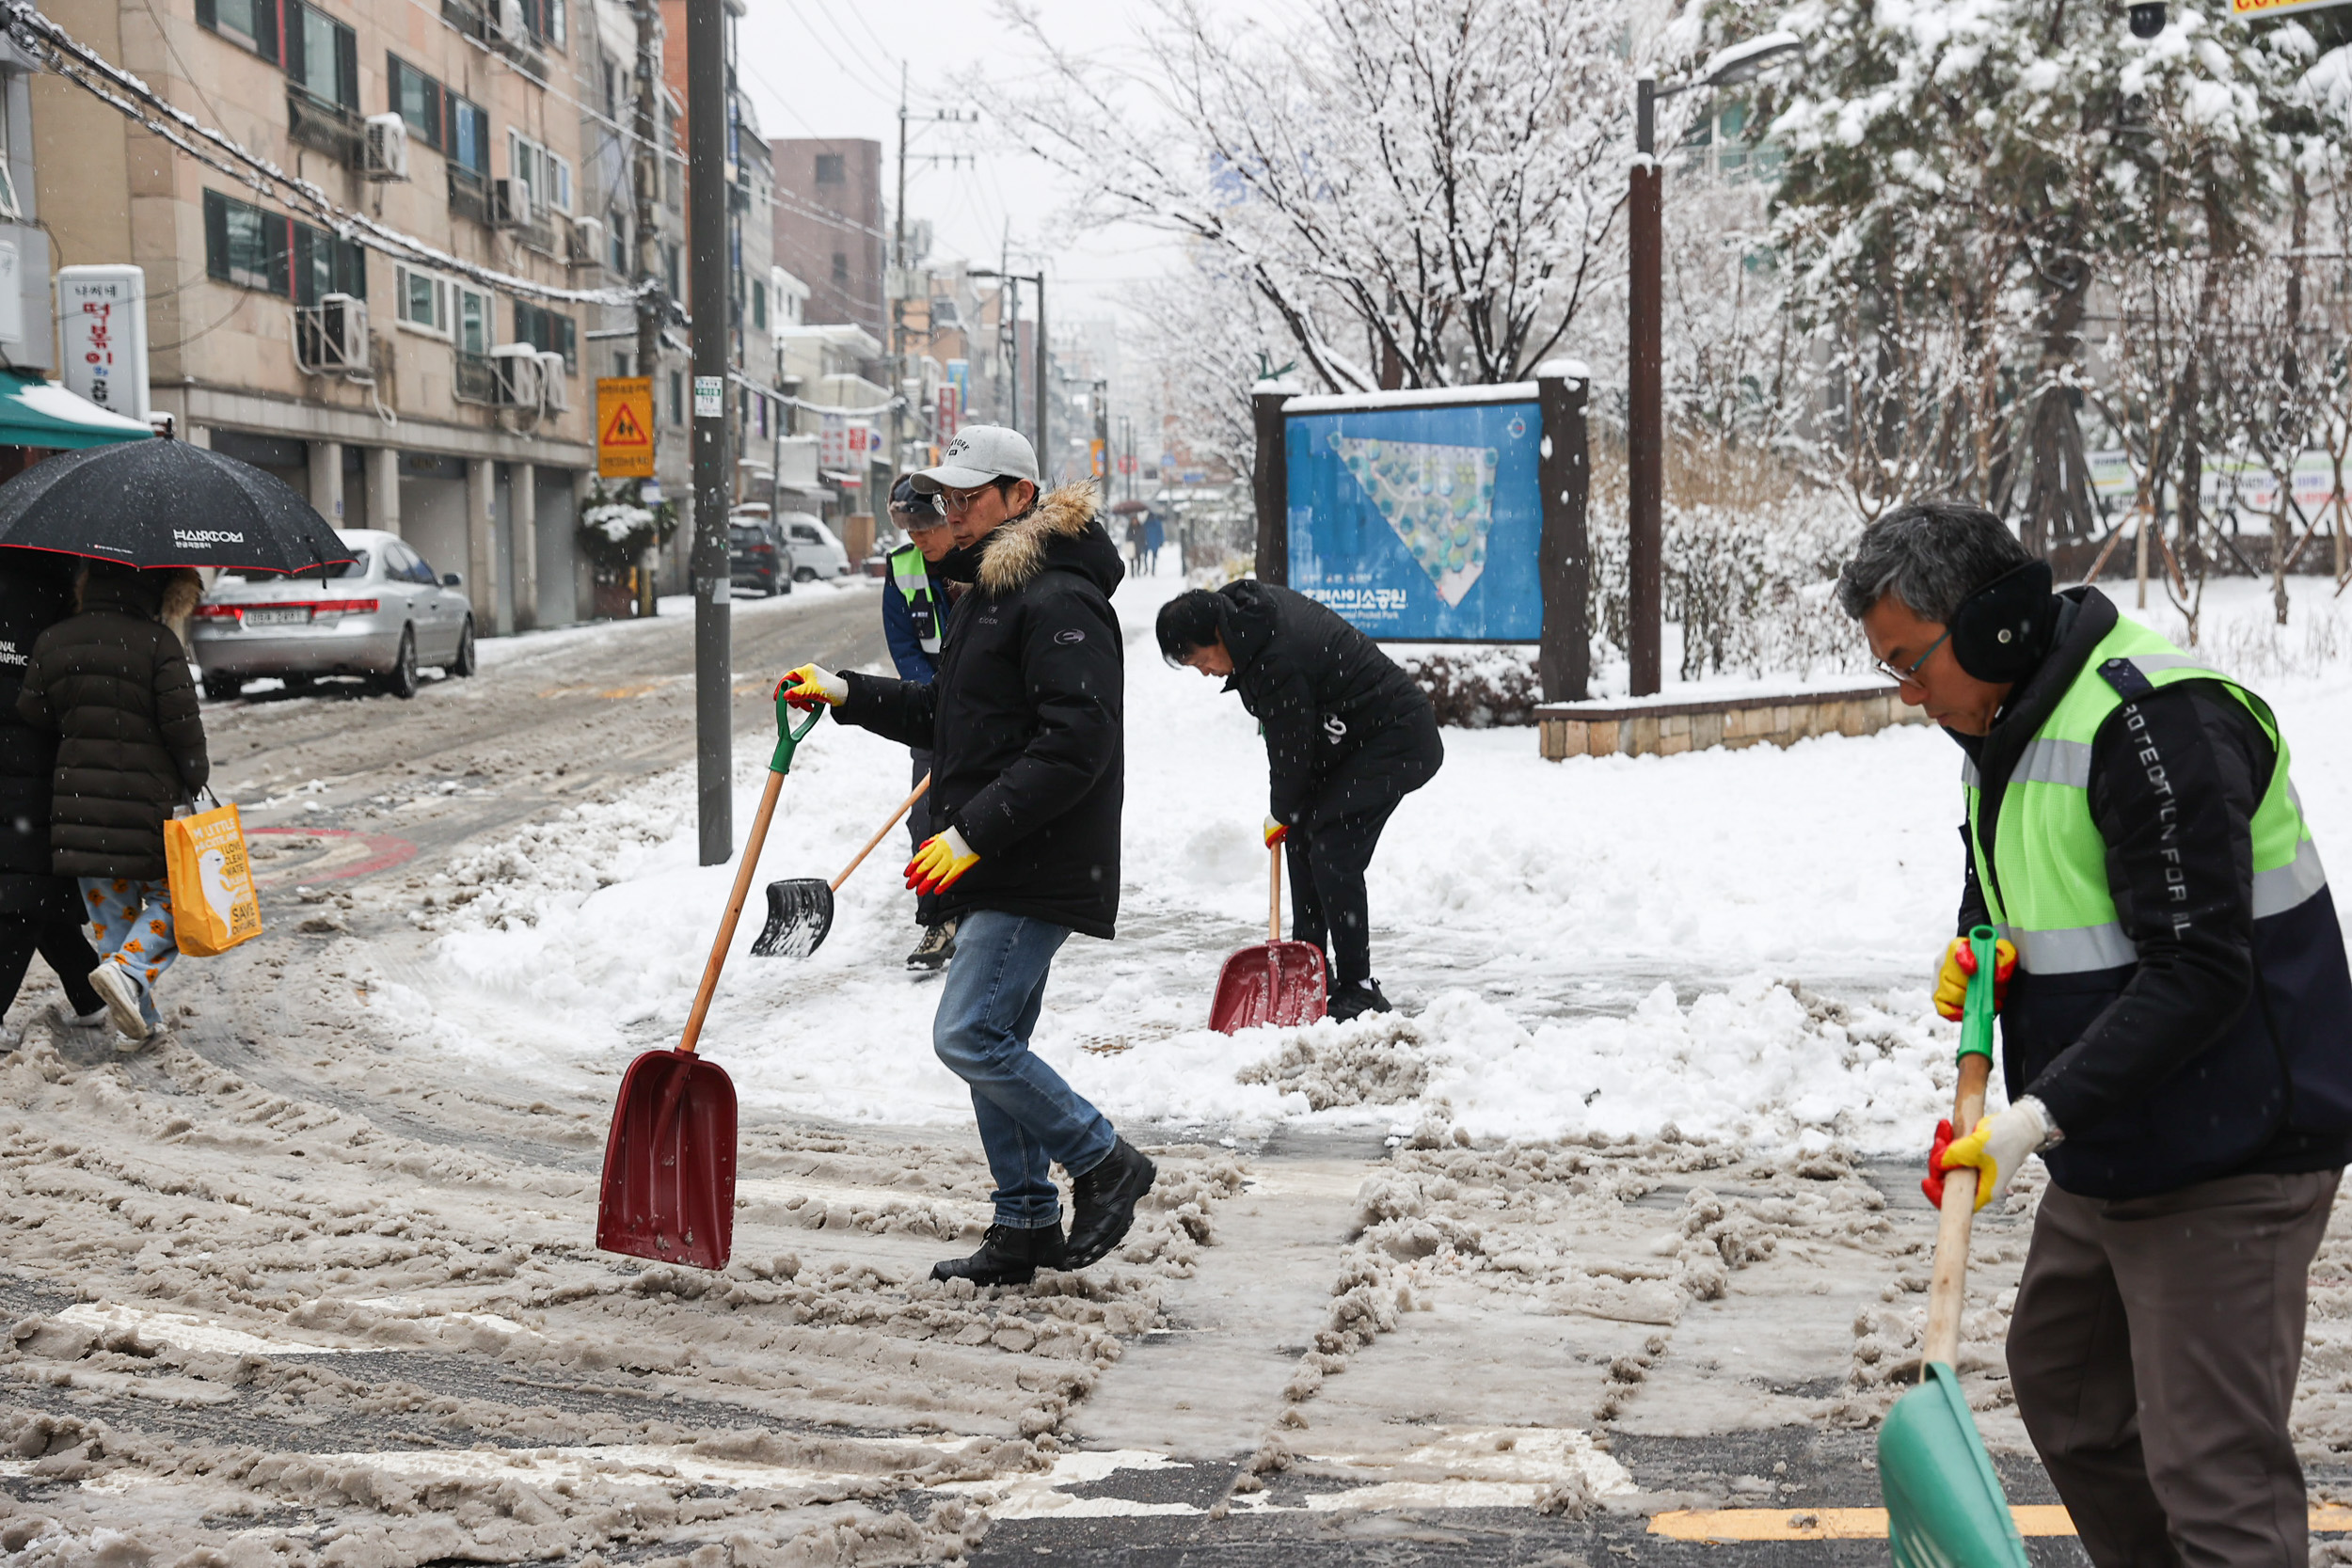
{"x": 1869, "y": 1524}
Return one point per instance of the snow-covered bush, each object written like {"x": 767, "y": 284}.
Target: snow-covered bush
{"x": 1751, "y": 553}
{"x": 617, "y": 527}
{"x": 1479, "y": 688}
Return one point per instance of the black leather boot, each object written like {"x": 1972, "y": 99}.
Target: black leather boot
{"x": 1008, "y": 1255}
{"x": 1105, "y": 1199}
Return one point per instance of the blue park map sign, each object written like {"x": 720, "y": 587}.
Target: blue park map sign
{"x": 1420, "y": 523}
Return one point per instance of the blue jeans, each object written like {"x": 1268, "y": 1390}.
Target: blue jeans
{"x": 1029, "y": 1117}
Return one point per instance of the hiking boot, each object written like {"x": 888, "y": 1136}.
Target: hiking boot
{"x": 121, "y": 994}
{"x": 1351, "y": 1001}
{"x": 1008, "y": 1255}
{"x": 937, "y": 946}
{"x": 1105, "y": 1205}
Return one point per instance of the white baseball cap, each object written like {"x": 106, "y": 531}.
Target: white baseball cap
{"x": 979, "y": 453}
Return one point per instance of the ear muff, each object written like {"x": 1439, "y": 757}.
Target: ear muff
{"x": 2002, "y": 630}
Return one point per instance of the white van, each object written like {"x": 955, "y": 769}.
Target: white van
{"x": 815, "y": 553}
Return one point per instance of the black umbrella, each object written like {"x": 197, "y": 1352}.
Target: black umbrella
{"x": 166, "y": 503}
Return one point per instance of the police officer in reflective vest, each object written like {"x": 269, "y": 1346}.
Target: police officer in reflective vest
{"x": 915, "y": 599}
{"x": 2176, "y": 1032}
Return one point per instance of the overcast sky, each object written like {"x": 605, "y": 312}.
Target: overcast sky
{"x": 830, "y": 67}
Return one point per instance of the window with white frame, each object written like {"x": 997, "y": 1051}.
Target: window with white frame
{"x": 475, "y": 320}
{"x": 421, "y": 300}
{"x": 547, "y": 177}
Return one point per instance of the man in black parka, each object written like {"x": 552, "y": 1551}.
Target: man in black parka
{"x": 1024, "y": 721}
{"x": 1348, "y": 736}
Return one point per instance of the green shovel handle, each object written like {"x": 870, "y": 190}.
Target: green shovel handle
{"x": 1976, "y": 1019}
{"x": 787, "y": 736}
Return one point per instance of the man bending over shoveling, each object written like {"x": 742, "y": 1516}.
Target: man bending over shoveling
{"x": 1025, "y": 726}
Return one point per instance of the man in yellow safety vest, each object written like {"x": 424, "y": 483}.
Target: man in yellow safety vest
{"x": 2176, "y": 1032}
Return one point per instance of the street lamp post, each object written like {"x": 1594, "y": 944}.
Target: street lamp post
{"x": 1037, "y": 277}
{"x": 1645, "y": 380}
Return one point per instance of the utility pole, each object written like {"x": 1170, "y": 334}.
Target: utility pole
{"x": 1039, "y": 279}
{"x": 1645, "y": 403}
{"x": 706, "y": 246}
{"x": 652, "y": 302}
{"x": 899, "y": 292}
{"x": 1102, "y": 451}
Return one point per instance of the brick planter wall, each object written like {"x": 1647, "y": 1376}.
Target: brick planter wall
{"x": 1663, "y": 729}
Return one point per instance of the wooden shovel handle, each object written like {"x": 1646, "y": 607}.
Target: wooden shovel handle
{"x": 1274, "y": 894}
{"x": 735, "y": 913}
{"x": 1947, "y": 1290}
{"x": 879, "y": 833}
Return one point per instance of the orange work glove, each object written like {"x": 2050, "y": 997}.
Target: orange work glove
{"x": 943, "y": 858}
{"x": 1959, "y": 963}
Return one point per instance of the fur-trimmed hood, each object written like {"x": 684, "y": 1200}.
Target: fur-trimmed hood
{"x": 1062, "y": 530}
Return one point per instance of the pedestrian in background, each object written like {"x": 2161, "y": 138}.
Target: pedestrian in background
{"x": 1348, "y": 735}
{"x": 916, "y": 597}
{"x": 1155, "y": 535}
{"x": 112, "y": 683}
{"x": 39, "y": 910}
{"x": 1134, "y": 545}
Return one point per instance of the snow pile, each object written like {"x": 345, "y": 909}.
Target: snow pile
{"x": 1730, "y": 943}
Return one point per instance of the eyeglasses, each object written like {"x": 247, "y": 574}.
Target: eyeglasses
{"x": 961, "y": 501}
{"x": 1909, "y": 673}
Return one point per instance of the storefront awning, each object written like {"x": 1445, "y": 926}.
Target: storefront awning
{"x": 35, "y": 413}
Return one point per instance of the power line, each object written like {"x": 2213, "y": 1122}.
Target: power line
{"x": 216, "y": 149}
{"x": 848, "y": 71}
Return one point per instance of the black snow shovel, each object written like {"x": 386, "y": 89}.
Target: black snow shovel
{"x": 800, "y": 909}
{"x": 1945, "y": 1508}
{"x": 669, "y": 1161}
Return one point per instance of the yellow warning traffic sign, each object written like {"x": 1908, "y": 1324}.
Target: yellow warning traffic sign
{"x": 624, "y": 426}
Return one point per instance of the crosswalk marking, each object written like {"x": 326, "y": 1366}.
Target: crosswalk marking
{"x": 1869, "y": 1524}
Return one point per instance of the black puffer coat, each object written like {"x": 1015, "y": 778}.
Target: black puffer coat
{"x": 1025, "y": 720}
{"x": 1346, "y": 731}
{"x": 36, "y": 592}
{"x": 112, "y": 683}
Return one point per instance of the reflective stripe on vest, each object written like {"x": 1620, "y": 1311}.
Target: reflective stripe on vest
{"x": 2051, "y": 896}
{"x": 914, "y": 580}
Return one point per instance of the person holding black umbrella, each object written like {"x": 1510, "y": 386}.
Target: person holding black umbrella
{"x": 112, "y": 683}
{"x": 39, "y": 910}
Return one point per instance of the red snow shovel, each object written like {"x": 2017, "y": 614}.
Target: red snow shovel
{"x": 669, "y": 1161}
{"x": 800, "y": 909}
{"x": 1278, "y": 982}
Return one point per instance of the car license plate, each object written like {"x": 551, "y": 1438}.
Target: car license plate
{"x": 299, "y": 616}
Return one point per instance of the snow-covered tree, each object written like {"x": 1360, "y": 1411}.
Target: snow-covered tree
{"x": 1419, "y": 192}
{"x": 1968, "y": 172}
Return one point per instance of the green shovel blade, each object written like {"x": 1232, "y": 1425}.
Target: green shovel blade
{"x": 1943, "y": 1503}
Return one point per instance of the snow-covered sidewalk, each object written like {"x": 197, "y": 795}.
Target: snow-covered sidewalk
{"x": 1733, "y": 943}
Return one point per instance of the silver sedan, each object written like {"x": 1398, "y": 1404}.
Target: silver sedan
{"x": 380, "y": 617}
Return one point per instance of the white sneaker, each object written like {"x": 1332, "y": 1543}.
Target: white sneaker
{"x": 62, "y": 1016}
{"x": 122, "y": 1000}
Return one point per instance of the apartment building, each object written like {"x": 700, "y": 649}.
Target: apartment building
{"x": 425, "y": 400}
{"x": 828, "y": 227}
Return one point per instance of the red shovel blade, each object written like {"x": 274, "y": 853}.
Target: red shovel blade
{"x": 668, "y": 1164}
{"x": 1274, "y": 982}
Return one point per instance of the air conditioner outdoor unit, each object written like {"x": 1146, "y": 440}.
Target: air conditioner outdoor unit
{"x": 587, "y": 242}
{"x": 387, "y": 147}
{"x": 510, "y": 204}
{"x": 515, "y": 371}
{"x": 331, "y": 337}
{"x": 554, "y": 396}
